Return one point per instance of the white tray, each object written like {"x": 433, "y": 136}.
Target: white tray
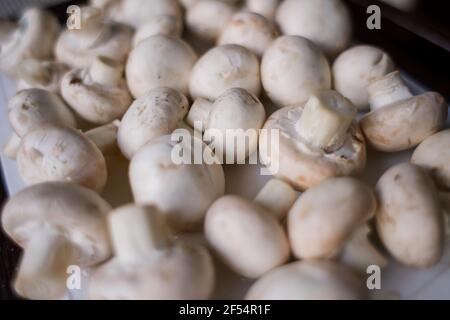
{"x": 397, "y": 281}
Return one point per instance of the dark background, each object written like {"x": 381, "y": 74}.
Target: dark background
{"x": 419, "y": 42}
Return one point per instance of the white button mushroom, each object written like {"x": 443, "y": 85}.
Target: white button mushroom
{"x": 326, "y": 221}
{"x": 99, "y": 94}
{"x": 266, "y": 8}
{"x": 207, "y": 18}
{"x": 79, "y": 47}
{"x": 236, "y": 111}
{"x": 32, "y": 37}
{"x": 183, "y": 192}
{"x": 246, "y": 236}
{"x": 147, "y": 266}
{"x": 46, "y": 75}
{"x": 105, "y": 137}
{"x": 409, "y": 217}
{"x": 292, "y": 69}
{"x": 356, "y": 68}
{"x": 309, "y": 280}
{"x": 249, "y": 30}
{"x": 160, "y": 61}
{"x": 58, "y": 225}
{"x": 157, "y": 113}
{"x": 158, "y": 25}
{"x": 61, "y": 154}
{"x": 316, "y": 141}
{"x": 31, "y": 109}
{"x": 434, "y": 155}
{"x": 398, "y": 120}
{"x": 327, "y": 23}
{"x": 222, "y": 68}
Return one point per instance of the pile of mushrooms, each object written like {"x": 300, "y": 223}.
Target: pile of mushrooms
{"x": 143, "y": 88}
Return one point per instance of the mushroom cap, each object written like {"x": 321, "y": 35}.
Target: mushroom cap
{"x": 249, "y": 30}
{"x": 433, "y": 154}
{"x": 154, "y": 114}
{"x": 33, "y": 108}
{"x": 78, "y": 212}
{"x": 79, "y": 48}
{"x": 302, "y": 166}
{"x": 327, "y": 23}
{"x": 95, "y": 102}
{"x": 162, "y": 25}
{"x": 61, "y": 154}
{"x": 137, "y": 12}
{"x": 405, "y": 124}
{"x": 207, "y": 18}
{"x": 236, "y": 109}
{"x": 179, "y": 273}
{"x": 225, "y": 67}
{"x": 356, "y": 68}
{"x": 308, "y": 280}
{"x": 409, "y": 218}
{"x": 33, "y": 37}
{"x": 46, "y": 75}
{"x": 183, "y": 192}
{"x": 248, "y": 238}
{"x": 160, "y": 61}
{"x": 325, "y": 216}
{"x": 266, "y": 8}
{"x": 292, "y": 69}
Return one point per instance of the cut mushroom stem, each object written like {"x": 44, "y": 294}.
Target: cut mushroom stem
{"x": 325, "y": 120}
{"x": 106, "y": 71}
{"x": 388, "y": 90}
{"x": 33, "y": 71}
{"x": 199, "y": 113}
{"x": 137, "y": 232}
{"x": 12, "y": 146}
{"x": 277, "y": 197}
{"x": 359, "y": 252}
{"x": 44, "y": 265}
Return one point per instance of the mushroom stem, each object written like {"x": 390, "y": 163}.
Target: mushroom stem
{"x": 33, "y": 71}
{"x": 12, "y": 146}
{"x": 137, "y": 231}
{"x": 325, "y": 120}
{"x": 199, "y": 113}
{"x": 359, "y": 252}
{"x": 277, "y": 197}
{"x": 105, "y": 137}
{"x": 106, "y": 71}
{"x": 42, "y": 271}
{"x": 388, "y": 90}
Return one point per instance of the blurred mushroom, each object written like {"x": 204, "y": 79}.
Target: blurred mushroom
{"x": 99, "y": 94}
{"x": 222, "y": 68}
{"x": 316, "y": 141}
{"x": 356, "y": 68}
{"x": 236, "y": 109}
{"x": 266, "y": 8}
{"x": 409, "y": 217}
{"x": 398, "y": 120}
{"x": 292, "y": 69}
{"x": 330, "y": 221}
{"x": 327, "y": 23}
{"x": 58, "y": 224}
{"x": 33, "y": 36}
{"x": 46, "y": 75}
{"x": 147, "y": 266}
{"x": 308, "y": 280}
{"x": 160, "y": 61}
{"x": 158, "y": 25}
{"x": 78, "y": 48}
{"x": 182, "y": 191}
{"x": 249, "y": 30}
{"x": 12, "y": 146}
{"x": 61, "y": 154}
{"x": 433, "y": 154}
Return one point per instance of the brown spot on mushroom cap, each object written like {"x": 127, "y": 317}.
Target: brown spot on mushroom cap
{"x": 78, "y": 212}
{"x": 405, "y": 124}
{"x": 409, "y": 218}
